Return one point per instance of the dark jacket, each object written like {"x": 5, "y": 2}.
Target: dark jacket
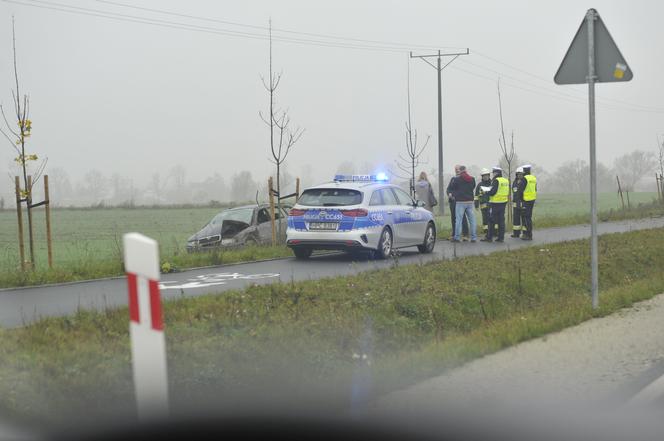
{"x": 481, "y": 198}
{"x": 518, "y": 186}
{"x": 462, "y": 188}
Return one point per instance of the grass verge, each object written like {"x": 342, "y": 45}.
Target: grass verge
{"x": 345, "y": 339}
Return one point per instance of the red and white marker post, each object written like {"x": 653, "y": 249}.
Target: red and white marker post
{"x": 146, "y": 326}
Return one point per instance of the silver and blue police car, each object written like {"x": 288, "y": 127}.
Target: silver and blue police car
{"x": 358, "y": 213}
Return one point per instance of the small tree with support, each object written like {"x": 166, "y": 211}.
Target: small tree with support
{"x": 18, "y": 137}
{"x": 272, "y": 193}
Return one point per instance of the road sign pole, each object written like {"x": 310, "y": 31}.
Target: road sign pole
{"x": 590, "y": 17}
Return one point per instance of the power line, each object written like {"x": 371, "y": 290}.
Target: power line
{"x": 194, "y": 28}
{"x": 353, "y": 43}
{"x": 548, "y": 81}
{"x": 407, "y": 46}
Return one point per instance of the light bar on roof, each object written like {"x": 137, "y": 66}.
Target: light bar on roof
{"x": 380, "y": 177}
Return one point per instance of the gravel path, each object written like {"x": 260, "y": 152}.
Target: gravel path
{"x": 603, "y": 361}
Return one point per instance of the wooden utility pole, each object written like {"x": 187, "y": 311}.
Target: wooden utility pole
{"x": 271, "y": 194}
{"x": 297, "y": 188}
{"x": 19, "y": 214}
{"x": 47, "y": 203}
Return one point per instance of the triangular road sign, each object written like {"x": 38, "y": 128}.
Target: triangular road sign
{"x": 610, "y": 65}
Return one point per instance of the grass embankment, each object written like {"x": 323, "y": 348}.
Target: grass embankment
{"x": 87, "y": 243}
{"x": 331, "y": 338}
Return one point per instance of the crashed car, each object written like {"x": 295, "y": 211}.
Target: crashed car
{"x": 238, "y": 226}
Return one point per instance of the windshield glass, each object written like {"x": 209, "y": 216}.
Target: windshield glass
{"x": 330, "y": 197}
{"x": 240, "y": 214}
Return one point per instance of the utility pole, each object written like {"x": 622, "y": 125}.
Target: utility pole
{"x": 439, "y": 70}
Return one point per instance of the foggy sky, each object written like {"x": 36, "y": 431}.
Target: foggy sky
{"x": 138, "y": 99}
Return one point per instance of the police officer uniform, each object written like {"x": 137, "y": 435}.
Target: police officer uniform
{"x": 518, "y": 186}
{"x": 529, "y": 197}
{"x": 498, "y": 197}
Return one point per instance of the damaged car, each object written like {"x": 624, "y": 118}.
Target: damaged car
{"x": 238, "y": 226}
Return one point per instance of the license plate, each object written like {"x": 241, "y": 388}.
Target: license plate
{"x": 323, "y": 226}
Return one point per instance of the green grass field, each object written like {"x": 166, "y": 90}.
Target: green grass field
{"x": 87, "y": 242}
{"x": 318, "y": 339}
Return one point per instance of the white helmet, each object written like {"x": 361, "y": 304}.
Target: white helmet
{"x": 519, "y": 170}
{"x": 497, "y": 169}
{"x": 485, "y": 171}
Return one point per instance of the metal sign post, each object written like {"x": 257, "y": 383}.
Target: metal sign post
{"x": 593, "y": 57}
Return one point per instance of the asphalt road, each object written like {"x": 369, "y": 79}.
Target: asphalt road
{"x": 21, "y": 306}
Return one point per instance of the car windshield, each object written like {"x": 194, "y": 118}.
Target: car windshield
{"x": 330, "y": 197}
{"x": 238, "y": 214}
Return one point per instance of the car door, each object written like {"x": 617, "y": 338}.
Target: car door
{"x": 264, "y": 226}
{"x": 392, "y": 213}
{"x": 412, "y": 228}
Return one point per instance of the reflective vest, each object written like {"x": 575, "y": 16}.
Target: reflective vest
{"x": 530, "y": 193}
{"x": 503, "y": 191}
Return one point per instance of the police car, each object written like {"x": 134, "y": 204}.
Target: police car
{"x": 358, "y": 213}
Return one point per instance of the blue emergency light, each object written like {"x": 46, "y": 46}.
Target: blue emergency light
{"x": 380, "y": 177}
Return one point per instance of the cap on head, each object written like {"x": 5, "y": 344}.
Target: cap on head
{"x": 519, "y": 170}
{"x": 486, "y": 171}
{"x": 497, "y": 170}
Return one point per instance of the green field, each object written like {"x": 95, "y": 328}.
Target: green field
{"x": 87, "y": 242}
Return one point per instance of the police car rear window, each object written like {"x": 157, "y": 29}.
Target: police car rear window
{"x": 330, "y": 197}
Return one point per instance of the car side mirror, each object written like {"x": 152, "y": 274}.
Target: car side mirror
{"x": 420, "y": 204}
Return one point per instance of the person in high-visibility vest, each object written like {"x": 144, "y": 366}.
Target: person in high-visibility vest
{"x": 498, "y": 197}
{"x": 529, "y": 197}
{"x": 518, "y": 186}
{"x": 482, "y": 199}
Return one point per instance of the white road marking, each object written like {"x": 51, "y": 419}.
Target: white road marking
{"x": 206, "y": 280}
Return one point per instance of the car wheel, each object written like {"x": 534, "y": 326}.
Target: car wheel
{"x": 302, "y": 253}
{"x": 384, "y": 245}
{"x": 429, "y": 240}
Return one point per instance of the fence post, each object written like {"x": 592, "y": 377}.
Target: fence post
{"x": 659, "y": 190}
{"x": 47, "y": 202}
{"x": 620, "y": 192}
{"x": 19, "y": 214}
{"x": 31, "y": 235}
{"x": 272, "y": 221}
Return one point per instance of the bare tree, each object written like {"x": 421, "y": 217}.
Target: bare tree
{"x": 508, "y": 153}
{"x": 632, "y": 167}
{"x": 282, "y": 136}
{"x": 18, "y": 138}
{"x": 660, "y": 156}
{"x": 413, "y": 151}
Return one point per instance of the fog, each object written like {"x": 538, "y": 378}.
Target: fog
{"x": 137, "y": 100}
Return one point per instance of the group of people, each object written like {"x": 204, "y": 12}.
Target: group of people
{"x": 490, "y": 195}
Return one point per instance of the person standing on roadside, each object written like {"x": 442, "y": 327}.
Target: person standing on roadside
{"x": 424, "y": 192}
{"x": 452, "y": 204}
{"x": 463, "y": 189}
{"x": 482, "y": 199}
{"x": 529, "y": 197}
{"x": 498, "y": 196}
{"x": 518, "y": 186}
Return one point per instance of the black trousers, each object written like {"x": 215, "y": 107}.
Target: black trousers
{"x": 464, "y": 224}
{"x": 497, "y": 218}
{"x": 486, "y": 212}
{"x": 517, "y": 213}
{"x": 527, "y": 217}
